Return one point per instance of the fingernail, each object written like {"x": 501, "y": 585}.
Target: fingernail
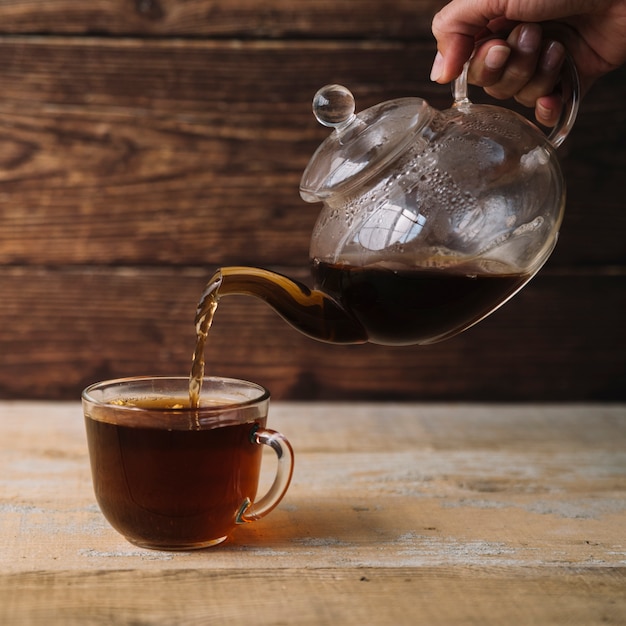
{"x": 529, "y": 38}
{"x": 496, "y": 57}
{"x": 437, "y": 69}
{"x": 553, "y": 57}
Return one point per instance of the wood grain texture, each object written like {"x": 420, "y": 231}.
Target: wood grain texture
{"x": 69, "y": 327}
{"x": 144, "y": 143}
{"x": 318, "y": 598}
{"x": 218, "y": 18}
{"x": 405, "y": 513}
{"x": 191, "y": 153}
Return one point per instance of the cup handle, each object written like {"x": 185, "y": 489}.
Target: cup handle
{"x": 570, "y": 91}
{"x": 252, "y": 511}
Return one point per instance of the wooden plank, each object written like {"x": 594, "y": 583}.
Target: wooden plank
{"x": 352, "y": 597}
{"x": 240, "y": 18}
{"x": 186, "y": 153}
{"x": 167, "y": 159}
{"x": 561, "y": 338}
{"x": 517, "y": 509}
{"x": 376, "y": 485}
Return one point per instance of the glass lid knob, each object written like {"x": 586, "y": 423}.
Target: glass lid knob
{"x": 333, "y": 106}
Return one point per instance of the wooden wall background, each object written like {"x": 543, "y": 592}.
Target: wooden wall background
{"x": 143, "y": 143}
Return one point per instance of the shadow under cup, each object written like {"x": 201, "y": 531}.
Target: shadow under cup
{"x": 170, "y": 477}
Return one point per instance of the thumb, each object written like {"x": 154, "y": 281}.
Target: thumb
{"x": 451, "y": 57}
{"x": 456, "y": 27}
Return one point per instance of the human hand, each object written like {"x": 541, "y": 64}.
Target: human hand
{"x": 526, "y": 62}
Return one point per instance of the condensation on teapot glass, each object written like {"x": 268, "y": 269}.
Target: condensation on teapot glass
{"x": 474, "y": 185}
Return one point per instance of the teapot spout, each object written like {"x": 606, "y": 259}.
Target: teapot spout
{"x": 309, "y": 311}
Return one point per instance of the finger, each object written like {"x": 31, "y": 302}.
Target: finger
{"x": 548, "y": 109}
{"x": 455, "y": 28}
{"x": 458, "y": 23}
{"x": 547, "y": 75}
{"x": 448, "y": 64}
{"x": 488, "y": 63}
{"x": 525, "y": 42}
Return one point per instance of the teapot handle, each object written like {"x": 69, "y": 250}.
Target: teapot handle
{"x": 570, "y": 90}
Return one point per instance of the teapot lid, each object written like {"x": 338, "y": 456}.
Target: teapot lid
{"x": 366, "y": 141}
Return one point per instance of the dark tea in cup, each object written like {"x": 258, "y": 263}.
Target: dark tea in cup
{"x": 171, "y": 477}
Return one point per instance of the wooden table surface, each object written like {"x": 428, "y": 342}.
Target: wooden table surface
{"x": 397, "y": 514}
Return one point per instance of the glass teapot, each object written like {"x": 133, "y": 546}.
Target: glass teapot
{"x": 431, "y": 219}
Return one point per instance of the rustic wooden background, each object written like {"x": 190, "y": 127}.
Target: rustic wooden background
{"x": 143, "y": 143}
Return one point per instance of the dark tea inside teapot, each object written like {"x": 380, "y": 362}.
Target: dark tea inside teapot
{"x": 430, "y": 219}
{"x": 408, "y": 306}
